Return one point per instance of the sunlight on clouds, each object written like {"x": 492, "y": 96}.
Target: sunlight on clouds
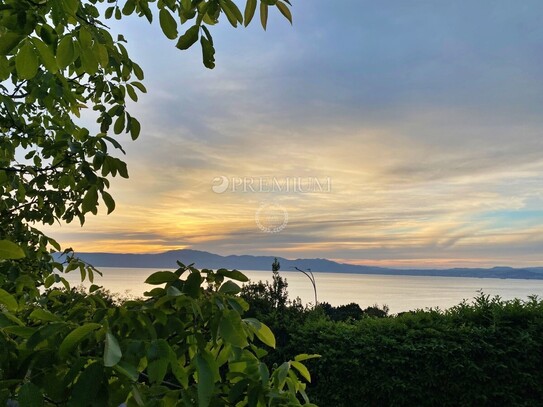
{"x": 432, "y": 145}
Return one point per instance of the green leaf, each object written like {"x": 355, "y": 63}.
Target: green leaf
{"x": 127, "y": 370}
{"x": 140, "y": 86}
{"x": 135, "y": 128}
{"x": 280, "y": 374}
{"x": 192, "y": 285}
{"x": 90, "y": 388}
{"x": 168, "y": 24}
{"x": 233, "y": 274}
{"x": 179, "y": 371}
{"x": 10, "y": 250}
{"x": 22, "y": 331}
{"x": 65, "y": 52}
{"x": 26, "y": 61}
{"x": 144, "y": 6}
{"x": 250, "y": 9}
{"x": 94, "y": 288}
{"x": 283, "y": 8}
{"x": 48, "y": 35}
{"x": 131, "y": 92}
{"x": 235, "y": 10}
{"x": 161, "y": 277}
{"x": 238, "y": 304}
{"x": 118, "y": 127}
{"x": 43, "y": 315}
{"x": 206, "y": 368}
{"x": 13, "y": 318}
{"x": 159, "y": 359}
{"x": 85, "y": 38}
{"x": 72, "y": 265}
{"x": 71, "y": 6}
{"x": 129, "y": 7}
{"x": 90, "y": 200}
{"x": 237, "y": 390}
{"x": 121, "y": 167}
{"x": 30, "y": 395}
{"x": 263, "y": 14}
{"x": 5, "y": 72}
{"x": 302, "y": 369}
{"x": 49, "y": 281}
{"x": 112, "y": 351}
{"x": 83, "y": 273}
{"x": 230, "y": 288}
{"x": 54, "y": 243}
{"x": 266, "y": 335}
{"x": 46, "y": 55}
{"x": 232, "y": 12}
{"x": 109, "y": 12}
{"x": 8, "y": 41}
{"x": 231, "y": 329}
{"x": 65, "y": 283}
{"x": 304, "y": 356}
{"x": 108, "y": 200}
{"x": 207, "y": 34}
{"x": 102, "y": 54}
{"x": 262, "y": 331}
{"x": 264, "y": 373}
{"x": 75, "y": 337}
{"x": 136, "y": 394}
{"x": 173, "y": 292}
{"x": 8, "y": 300}
{"x": 138, "y": 71}
{"x": 208, "y": 53}
{"x": 189, "y": 38}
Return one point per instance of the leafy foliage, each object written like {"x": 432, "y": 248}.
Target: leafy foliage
{"x": 352, "y": 311}
{"x": 486, "y": 353}
{"x": 483, "y": 354}
{"x": 267, "y": 297}
{"x": 183, "y": 344}
{"x": 59, "y": 62}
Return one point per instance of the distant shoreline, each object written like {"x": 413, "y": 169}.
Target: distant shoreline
{"x": 202, "y": 259}
{"x": 486, "y": 277}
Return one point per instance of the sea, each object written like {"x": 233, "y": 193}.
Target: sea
{"x": 399, "y": 293}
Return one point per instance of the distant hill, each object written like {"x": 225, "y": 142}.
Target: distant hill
{"x": 201, "y": 259}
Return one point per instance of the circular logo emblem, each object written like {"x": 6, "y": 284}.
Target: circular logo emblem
{"x": 271, "y": 217}
{"x": 220, "y": 184}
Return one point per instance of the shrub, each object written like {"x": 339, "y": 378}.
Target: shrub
{"x": 488, "y": 353}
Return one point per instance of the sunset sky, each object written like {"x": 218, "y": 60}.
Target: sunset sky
{"x": 415, "y": 130}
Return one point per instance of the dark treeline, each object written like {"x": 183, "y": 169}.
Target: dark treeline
{"x": 485, "y": 353}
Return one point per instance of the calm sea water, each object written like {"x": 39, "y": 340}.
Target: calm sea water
{"x": 400, "y": 293}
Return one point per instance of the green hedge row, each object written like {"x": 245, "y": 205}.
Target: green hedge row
{"x": 489, "y": 353}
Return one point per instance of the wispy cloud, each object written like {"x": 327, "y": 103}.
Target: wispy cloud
{"x": 426, "y": 119}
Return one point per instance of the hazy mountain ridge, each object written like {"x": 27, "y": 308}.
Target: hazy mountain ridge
{"x": 202, "y": 259}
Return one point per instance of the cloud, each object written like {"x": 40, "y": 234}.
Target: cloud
{"x": 425, "y": 117}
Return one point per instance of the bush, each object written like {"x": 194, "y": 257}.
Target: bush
{"x": 182, "y": 345}
{"x": 352, "y": 311}
{"x": 488, "y": 353}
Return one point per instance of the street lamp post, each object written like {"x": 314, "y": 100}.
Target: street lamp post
{"x": 312, "y": 279}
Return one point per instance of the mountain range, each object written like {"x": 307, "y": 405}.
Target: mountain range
{"x": 202, "y": 259}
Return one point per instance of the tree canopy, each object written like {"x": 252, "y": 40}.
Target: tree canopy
{"x": 57, "y": 57}
{"x": 186, "y": 343}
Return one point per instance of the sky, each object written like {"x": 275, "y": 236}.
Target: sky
{"x": 405, "y": 134}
